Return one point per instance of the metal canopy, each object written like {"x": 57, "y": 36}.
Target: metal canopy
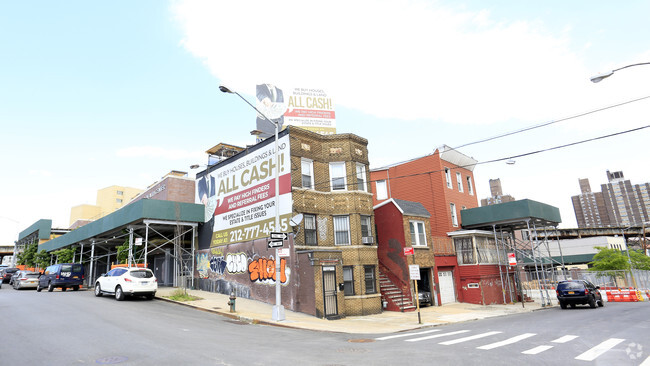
{"x": 514, "y": 215}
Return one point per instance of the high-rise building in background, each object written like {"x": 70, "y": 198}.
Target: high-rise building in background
{"x": 497, "y": 195}
{"x": 618, "y": 204}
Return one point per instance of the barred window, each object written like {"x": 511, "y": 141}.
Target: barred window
{"x": 464, "y": 251}
{"x": 487, "y": 250}
{"x": 341, "y": 230}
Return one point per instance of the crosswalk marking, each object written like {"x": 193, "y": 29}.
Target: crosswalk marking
{"x": 507, "y": 341}
{"x": 406, "y": 335}
{"x": 565, "y": 339}
{"x": 603, "y": 347}
{"x": 436, "y": 336}
{"x": 646, "y": 362}
{"x": 459, "y": 340}
{"x": 536, "y": 350}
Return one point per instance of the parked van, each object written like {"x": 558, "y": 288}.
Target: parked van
{"x": 63, "y": 275}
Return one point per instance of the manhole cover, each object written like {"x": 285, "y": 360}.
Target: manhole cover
{"x": 362, "y": 340}
{"x": 111, "y": 360}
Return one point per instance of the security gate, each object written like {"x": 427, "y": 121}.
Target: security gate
{"x": 329, "y": 291}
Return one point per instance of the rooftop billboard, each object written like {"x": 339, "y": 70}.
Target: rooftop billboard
{"x": 311, "y": 109}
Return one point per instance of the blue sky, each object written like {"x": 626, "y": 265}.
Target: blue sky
{"x": 94, "y": 94}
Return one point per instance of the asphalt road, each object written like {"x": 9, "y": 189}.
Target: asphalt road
{"x": 70, "y": 328}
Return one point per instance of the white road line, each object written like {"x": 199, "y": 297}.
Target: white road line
{"x": 406, "y": 335}
{"x": 536, "y": 350}
{"x": 459, "y": 340}
{"x": 507, "y": 341}
{"x": 565, "y": 339}
{"x": 436, "y": 336}
{"x": 646, "y": 362}
{"x": 605, "y": 346}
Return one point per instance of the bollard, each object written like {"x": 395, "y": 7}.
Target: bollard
{"x": 232, "y": 301}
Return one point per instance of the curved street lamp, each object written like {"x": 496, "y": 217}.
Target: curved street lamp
{"x": 599, "y": 77}
{"x": 278, "y": 308}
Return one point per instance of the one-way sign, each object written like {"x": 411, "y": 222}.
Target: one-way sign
{"x": 278, "y": 236}
{"x": 275, "y": 243}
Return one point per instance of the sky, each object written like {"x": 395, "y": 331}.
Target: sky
{"x": 95, "y": 94}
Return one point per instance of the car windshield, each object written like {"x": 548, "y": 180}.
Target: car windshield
{"x": 571, "y": 285}
{"x": 141, "y": 273}
{"x": 31, "y": 275}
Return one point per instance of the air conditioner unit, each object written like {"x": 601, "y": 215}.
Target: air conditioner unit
{"x": 367, "y": 240}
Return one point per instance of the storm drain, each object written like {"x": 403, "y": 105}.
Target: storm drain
{"x": 111, "y": 360}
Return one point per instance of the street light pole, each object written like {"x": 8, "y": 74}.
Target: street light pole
{"x": 598, "y": 78}
{"x": 278, "y": 309}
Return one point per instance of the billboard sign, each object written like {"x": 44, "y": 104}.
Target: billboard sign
{"x": 308, "y": 108}
{"x": 239, "y": 194}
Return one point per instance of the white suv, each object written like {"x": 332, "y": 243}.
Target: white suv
{"x": 127, "y": 281}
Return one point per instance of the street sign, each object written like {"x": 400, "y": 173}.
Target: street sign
{"x": 278, "y": 236}
{"x": 512, "y": 260}
{"x": 283, "y": 252}
{"x": 414, "y": 271}
{"x": 408, "y": 251}
{"x": 275, "y": 243}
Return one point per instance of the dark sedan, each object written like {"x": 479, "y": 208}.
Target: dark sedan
{"x": 7, "y": 273}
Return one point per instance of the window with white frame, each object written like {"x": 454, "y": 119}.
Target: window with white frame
{"x": 454, "y": 217}
{"x": 465, "y": 250}
{"x": 310, "y": 230}
{"x": 307, "y": 168}
{"x": 365, "y": 226}
{"x": 341, "y": 230}
{"x": 470, "y": 188}
{"x": 348, "y": 280}
{"x": 418, "y": 234}
{"x": 361, "y": 177}
{"x": 382, "y": 190}
{"x": 369, "y": 276}
{"x": 459, "y": 182}
{"x": 338, "y": 179}
{"x": 448, "y": 177}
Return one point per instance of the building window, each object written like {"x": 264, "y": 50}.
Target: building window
{"x": 418, "y": 234}
{"x": 464, "y": 251}
{"x": 459, "y": 181}
{"x": 118, "y": 200}
{"x": 348, "y": 280}
{"x": 361, "y": 178}
{"x": 366, "y": 230}
{"x": 382, "y": 191}
{"x": 369, "y": 276}
{"x": 310, "y": 230}
{"x": 470, "y": 188}
{"x": 341, "y": 230}
{"x": 337, "y": 176}
{"x": 120, "y": 193}
{"x": 454, "y": 217}
{"x": 307, "y": 167}
{"x": 448, "y": 177}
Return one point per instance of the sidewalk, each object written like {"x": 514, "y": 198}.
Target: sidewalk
{"x": 257, "y": 312}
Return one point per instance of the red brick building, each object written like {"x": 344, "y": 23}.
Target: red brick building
{"x": 443, "y": 183}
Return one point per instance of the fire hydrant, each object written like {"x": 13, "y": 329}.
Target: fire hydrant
{"x": 232, "y": 301}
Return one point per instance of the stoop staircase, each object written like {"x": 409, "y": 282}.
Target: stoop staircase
{"x": 397, "y": 299}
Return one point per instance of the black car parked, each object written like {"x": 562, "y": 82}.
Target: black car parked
{"x": 7, "y": 273}
{"x": 578, "y": 292}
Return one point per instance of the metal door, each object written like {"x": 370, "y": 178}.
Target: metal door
{"x": 329, "y": 291}
{"x": 447, "y": 291}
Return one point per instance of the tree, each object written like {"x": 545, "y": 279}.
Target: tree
{"x": 123, "y": 253}
{"x": 42, "y": 259}
{"x": 639, "y": 260}
{"x": 27, "y": 256}
{"x": 65, "y": 255}
{"x": 609, "y": 260}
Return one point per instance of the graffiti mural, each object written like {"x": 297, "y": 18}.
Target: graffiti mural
{"x": 218, "y": 265}
{"x": 236, "y": 262}
{"x": 263, "y": 270}
{"x": 203, "y": 265}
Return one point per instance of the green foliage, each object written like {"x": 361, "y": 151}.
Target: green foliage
{"x": 27, "y": 257}
{"x": 180, "y": 295}
{"x": 614, "y": 259}
{"x": 123, "y": 252}
{"x": 65, "y": 255}
{"x": 42, "y": 259}
{"x": 639, "y": 260}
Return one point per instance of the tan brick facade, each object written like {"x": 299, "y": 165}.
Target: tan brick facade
{"x": 324, "y": 203}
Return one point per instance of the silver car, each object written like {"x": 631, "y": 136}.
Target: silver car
{"x": 25, "y": 279}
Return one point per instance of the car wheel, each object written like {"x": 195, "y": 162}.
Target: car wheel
{"x": 592, "y": 302}
{"x": 562, "y": 305}
{"x": 75, "y": 288}
{"x": 38, "y": 288}
{"x": 119, "y": 294}
{"x": 63, "y": 288}
{"x": 50, "y": 287}
{"x": 98, "y": 290}
{"x": 601, "y": 303}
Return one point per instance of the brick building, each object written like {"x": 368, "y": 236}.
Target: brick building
{"x": 443, "y": 183}
{"x": 332, "y": 268}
